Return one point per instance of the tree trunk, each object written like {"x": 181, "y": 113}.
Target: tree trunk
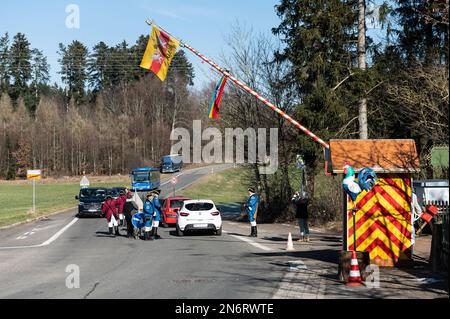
{"x": 363, "y": 131}
{"x": 54, "y": 149}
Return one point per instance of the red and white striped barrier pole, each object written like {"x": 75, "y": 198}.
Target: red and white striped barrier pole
{"x": 249, "y": 90}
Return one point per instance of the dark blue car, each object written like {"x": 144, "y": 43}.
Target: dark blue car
{"x": 171, "y": 163}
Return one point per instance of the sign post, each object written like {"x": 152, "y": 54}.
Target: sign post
{"x": 84, "y": 183}
{"x": 301, "y": 166}
{"x": 174, "y": 181}
{"x": 34, "y": 175}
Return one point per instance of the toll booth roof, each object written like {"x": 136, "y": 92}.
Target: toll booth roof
{"x": 383, "y": 156}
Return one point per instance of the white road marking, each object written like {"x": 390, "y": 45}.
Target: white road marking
{"x": 251, "y": 242}
{"x": 23, "y": 236}
{"x": 55, "y": 236}
{"x": 297, "y": 265}
{"x": 302, "y": 284}
{"x": 47, "y": 242}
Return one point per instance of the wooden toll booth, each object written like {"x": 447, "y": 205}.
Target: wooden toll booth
{"x": 383, "y": 223}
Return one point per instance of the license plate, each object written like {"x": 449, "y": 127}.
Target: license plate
{"x": 201, "y": 225}
{"x": 92, "y": 210}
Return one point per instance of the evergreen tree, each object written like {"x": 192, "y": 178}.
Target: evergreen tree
{"x": 39, "y": 79}
{"x": 98, "y": 67}
{"x": 4, "y": 63}
{"x": 40, "y": 68}
{"x": 121, "y": 67}
{"x": 20, "y": 65}
{"x": 74, "y": 69}
{"x": 11, "y": 164}
{"x": 423, "y": 32}
{"x": 181, "y": 68}
{"x": 320, "y": 38}
{"x": 137, "y": 52}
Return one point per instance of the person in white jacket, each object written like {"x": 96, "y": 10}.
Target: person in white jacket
{"x": 416, "y": 211}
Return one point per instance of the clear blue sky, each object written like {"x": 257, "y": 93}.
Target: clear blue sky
{"x": 201, "y": 23}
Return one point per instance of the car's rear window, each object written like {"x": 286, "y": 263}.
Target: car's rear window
{"x": 199, "y": 206}
{"x": 177, "y": 203}
{"x": 92, "y": 192}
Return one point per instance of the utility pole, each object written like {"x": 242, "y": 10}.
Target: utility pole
{"x": 363, "y": 131}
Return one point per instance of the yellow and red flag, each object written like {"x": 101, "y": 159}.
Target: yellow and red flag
{"x": 214, "y": 107}
{"x": 159, "y": 53}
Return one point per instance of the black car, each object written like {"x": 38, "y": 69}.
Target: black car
{"x": 91, "y": 200}
{"x": 119, "y": 189}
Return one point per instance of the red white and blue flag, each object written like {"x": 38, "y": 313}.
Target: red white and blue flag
{"x": 216, "y": 98}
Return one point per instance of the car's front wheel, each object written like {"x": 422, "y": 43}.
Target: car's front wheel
{"x": 180, "y": 233}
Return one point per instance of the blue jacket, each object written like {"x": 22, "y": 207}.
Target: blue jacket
{"x": 149, "y": 210}
{"x": 157, "y": 206}
{"x": 252, "y": 206}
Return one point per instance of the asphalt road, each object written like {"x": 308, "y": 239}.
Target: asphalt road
{"x": 35, "y": 258}
{"x": 38, "y": 259}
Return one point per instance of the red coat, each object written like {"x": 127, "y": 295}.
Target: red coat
{"x": 109, "y": 209}
{"x": 120, "y": 201}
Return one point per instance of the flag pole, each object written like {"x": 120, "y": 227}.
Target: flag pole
{"x": 247, "y": 89}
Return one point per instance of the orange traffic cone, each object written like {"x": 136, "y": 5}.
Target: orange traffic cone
{"x": 290, "y": 244}
{"x": 354, "y": 278}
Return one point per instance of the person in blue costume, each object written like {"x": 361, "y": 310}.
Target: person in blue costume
{"x": 157, "y": 213}
{"x": 252, "y": 210}
{"x": 149, "y": 211}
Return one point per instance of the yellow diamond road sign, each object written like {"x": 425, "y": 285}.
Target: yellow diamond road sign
{"x": 34, "y": 174}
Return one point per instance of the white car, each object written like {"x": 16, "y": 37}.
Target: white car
{"x": 199, "y": 214}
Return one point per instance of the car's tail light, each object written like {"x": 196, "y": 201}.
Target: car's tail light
{"x": 184, "y": 214}
{"x": 215, "y": 213}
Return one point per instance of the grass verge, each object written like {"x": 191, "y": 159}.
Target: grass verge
{"x": 226, "y": 187}
{"x": 16, "y": 199}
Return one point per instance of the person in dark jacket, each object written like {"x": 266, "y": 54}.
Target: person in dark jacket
{"x": 109, "y": 211}
{"x": 301, "y": 202}
{"x": 129, "y": 209}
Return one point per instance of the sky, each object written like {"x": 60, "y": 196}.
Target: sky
{"x": 201, "y": 23}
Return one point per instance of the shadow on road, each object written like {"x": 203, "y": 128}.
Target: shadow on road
{"x": 106, "y": 234}
{"x": 230, "y": 211}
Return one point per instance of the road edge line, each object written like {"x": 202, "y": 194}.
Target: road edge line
{"x": 251, "y": 242}
{"x": 65, "y": 210}
{"x": 59, "y": 233}
{"x": 48, "y": 241}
